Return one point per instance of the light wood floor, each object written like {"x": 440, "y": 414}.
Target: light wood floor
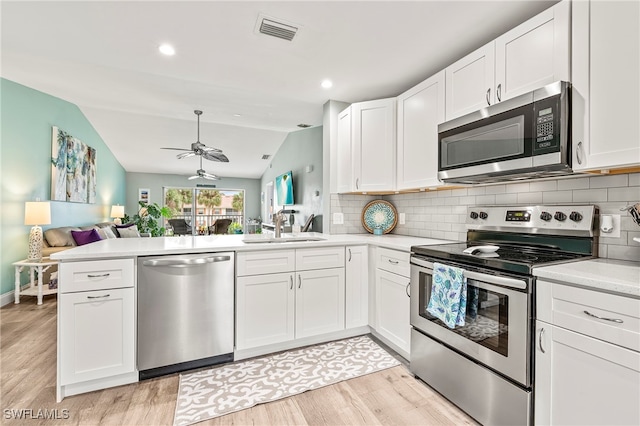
{"x": 28, "y": 377}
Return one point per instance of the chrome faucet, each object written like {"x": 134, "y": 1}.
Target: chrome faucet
{"x": 279, "y": 218}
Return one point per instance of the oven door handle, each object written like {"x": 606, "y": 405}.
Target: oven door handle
{"x": 487, "y": 278}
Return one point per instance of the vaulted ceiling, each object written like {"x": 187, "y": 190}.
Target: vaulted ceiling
{"x": 254, "y": 89}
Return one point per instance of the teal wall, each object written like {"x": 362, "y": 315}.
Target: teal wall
{"x": 299, "y": 150}
{"x": 156, "y": 182}
{"x": 26, "y": 118}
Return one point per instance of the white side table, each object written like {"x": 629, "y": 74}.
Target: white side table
{"x": 35, "y": 267}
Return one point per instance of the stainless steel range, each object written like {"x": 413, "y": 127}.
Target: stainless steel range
{"x": 484, "y": 363}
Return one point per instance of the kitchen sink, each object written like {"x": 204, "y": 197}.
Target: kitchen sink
{"x": 287, "y": 238}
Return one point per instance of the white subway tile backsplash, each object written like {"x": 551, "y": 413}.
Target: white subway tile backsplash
{"x": 442, "y": 214}
{"x": 573, "y": 183}
{"x": 609, "y": 181}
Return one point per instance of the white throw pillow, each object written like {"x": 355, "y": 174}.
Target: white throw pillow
{"x": 106, "y": 233}
{"x": 130, "y": 232}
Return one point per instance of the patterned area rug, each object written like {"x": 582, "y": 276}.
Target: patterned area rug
{"x": 234, "y": 387}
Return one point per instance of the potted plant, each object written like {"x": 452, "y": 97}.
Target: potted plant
{"x": 235, "y": 228}
{"x": 148, "y": 217}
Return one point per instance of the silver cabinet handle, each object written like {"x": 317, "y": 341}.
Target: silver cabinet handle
{"x": 299, "y": 281}
{"x": 488, "y": 93}
{"x": 579, "y": 152}
{"x": 98, "y": 297}
{"x": 393, "y": 262}
{"x": 98, "y": 276}
{"x": 349, "y": 255}
{"x": 357, "y": 182}
{"x": 540, "y": 341}
{"x": 407, "y": 289}
{"x": 498, "y": 91}
{"x": 616, "y": 320}
{"x": 290, "y": 282}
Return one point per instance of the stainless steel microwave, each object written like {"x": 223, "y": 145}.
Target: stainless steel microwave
{"x": 524, "y": 137}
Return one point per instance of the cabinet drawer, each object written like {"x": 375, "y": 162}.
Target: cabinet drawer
{"x": 576, "y": 309}
{"x": 96, "y": 275}
{"x": 393, "y": 261}
{"x": 265, "y": 262}
{"x": 319, "y": 258}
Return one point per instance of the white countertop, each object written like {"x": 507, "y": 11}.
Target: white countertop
{"x": 608, "y": 275}
{"x": 128, "y": 247}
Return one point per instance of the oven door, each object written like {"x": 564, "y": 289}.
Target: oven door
{"x": 497, "y": 329}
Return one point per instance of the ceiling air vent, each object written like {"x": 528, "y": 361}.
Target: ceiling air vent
{"x": 276, "y": 28}
{"x": 266, "y": 156}
{"x": 304, "y": 125}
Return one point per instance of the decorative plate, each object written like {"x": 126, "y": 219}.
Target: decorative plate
{"x": 379, "y": 214}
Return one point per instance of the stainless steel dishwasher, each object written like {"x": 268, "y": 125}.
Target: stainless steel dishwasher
{"x": 185, "y": 312}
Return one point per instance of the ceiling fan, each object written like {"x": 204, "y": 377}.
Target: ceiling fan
{"x": 201, "y": 173}
{"x": 198, "y": 148}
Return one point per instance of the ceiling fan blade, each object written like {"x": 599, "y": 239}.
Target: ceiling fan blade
{"x": 215, "y": 156}
{"x": 177, "y": 149}
{"x": 193, "y": 177}
{"x": 210, "y": 149}
{"x": 209, "y": 176}
{"x": 185, "y": 155}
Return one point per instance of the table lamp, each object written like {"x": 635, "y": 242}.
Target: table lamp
{"x": 36, "y": 213}
{"x": 117, "y": 213}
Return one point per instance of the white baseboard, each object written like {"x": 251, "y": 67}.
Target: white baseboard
{"x": 7, "y": 298}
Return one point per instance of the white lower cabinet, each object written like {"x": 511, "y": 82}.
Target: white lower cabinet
{"x": 298, "y": 302}
{"x": 265, "y": 310}
{"x": 587, "y": 362}
{"x": 356, "y": 286}
{"x": 392, "y": 299}
{"x": 96, "y": 327}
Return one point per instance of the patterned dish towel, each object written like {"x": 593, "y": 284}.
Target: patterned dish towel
{"x": 448, "y": 300}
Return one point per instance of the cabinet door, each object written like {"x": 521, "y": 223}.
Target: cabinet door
{"x": 420, "y": 110}
{"x": 470, "y": 82}
{"x": 96, "y": 334}
{"x": 265, "y": 310}
{"x": 374, "y": 139}
{"x": 319, "y": 302}
{"x": 392, "y": 310}
{"x": 357, "y": 286}
{"x": 584, "y": 381}
{"x": 605, "y": 84}
{"x": 534, "y": 54}
{"x": 344, "y": 169}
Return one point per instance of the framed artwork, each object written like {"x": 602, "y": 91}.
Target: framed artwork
{"x": 73, "y": 169}
{"x": 143, "y": 195}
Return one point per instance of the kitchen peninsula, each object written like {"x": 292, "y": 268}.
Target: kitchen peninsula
{"x": 359, "y": 281}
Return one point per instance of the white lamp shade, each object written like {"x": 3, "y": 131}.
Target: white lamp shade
{"x": 37, "y": 213}
{"x": 117, "y": 211}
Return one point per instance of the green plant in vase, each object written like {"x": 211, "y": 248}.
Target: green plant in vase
{"x": 235, "y": 228}
{"x": 148, "y": 217}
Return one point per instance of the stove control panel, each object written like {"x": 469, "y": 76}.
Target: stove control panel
{"x": 573, "y": 219}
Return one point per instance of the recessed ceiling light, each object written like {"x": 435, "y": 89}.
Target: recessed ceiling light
{"x": 237, "y": 115}
{"x": 326, "y": 84}
{"x": 167, "y": 49}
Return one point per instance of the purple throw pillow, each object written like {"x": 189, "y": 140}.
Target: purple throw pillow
{"x": 85, "y": 237}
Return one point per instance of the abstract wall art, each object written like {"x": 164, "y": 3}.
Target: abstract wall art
{"x": 73, "y": 175}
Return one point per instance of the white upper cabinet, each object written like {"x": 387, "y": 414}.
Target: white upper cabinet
{"x": 374, "y": 145}
{"x": 534, "y": 54}
{"x": 526, "y": 58}
{"x": 344, "y": 169}
{"x": 420, "y": 110}
{"x": 606, "y": 83}
{"x": 470, "y": 82}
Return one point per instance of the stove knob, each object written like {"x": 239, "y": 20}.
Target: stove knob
{"x": 473, "y": 215}
{"x": 483, "y": 215}
{"x": 575, "y": 216}
{"x": 560, "y": 216}
{"x": 546, "y": 216}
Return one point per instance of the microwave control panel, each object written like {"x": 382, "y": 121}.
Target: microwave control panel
{"x": 547, "y": 125}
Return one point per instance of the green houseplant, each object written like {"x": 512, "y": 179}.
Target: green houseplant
{"x": 235, "y": 228}
{"x": 147, "y": 218}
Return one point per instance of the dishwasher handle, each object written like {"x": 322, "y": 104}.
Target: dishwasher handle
{"x": 182, "y": 263}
